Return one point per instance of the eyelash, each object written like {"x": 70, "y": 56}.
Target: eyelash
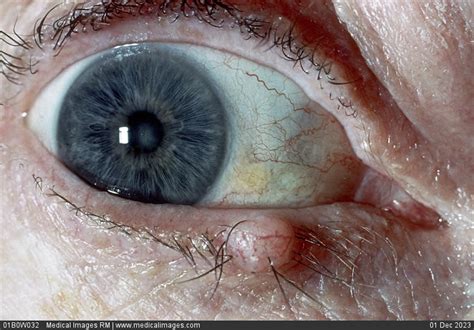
{"x": 213, "y": 12}
{"x": 345, "y": 246}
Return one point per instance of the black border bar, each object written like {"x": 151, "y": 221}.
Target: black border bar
{"x": 229, "y": 325}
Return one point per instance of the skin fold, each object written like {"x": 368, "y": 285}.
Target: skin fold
{"x": 69, "y": 251}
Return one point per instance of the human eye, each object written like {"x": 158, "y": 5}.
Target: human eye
{"x": 208, "y": 128}
{"x": 304, "y": 246}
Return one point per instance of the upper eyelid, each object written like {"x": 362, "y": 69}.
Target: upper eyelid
{"x": 97, "y": 15}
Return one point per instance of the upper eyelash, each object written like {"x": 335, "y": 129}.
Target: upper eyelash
{"x": 213, "y": 12}
{"x": 99, "y": 15}
{"x": 12, "y": 66}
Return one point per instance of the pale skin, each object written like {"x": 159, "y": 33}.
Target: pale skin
{"x": 415, "y": 126}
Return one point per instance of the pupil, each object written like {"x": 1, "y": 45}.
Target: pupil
{"x": 145, "y": 132}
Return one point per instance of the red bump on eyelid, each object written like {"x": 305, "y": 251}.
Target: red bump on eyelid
{"x": 253, "y": 244}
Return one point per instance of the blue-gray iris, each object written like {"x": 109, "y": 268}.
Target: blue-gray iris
{"x": 145, "y": 124}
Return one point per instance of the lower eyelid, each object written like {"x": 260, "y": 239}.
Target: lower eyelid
{"x": 87, "y": 215}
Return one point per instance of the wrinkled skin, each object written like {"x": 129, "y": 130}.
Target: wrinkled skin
{"x": 55, "y": 264}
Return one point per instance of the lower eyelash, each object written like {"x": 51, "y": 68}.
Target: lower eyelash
{"x": 207, "y": 255}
